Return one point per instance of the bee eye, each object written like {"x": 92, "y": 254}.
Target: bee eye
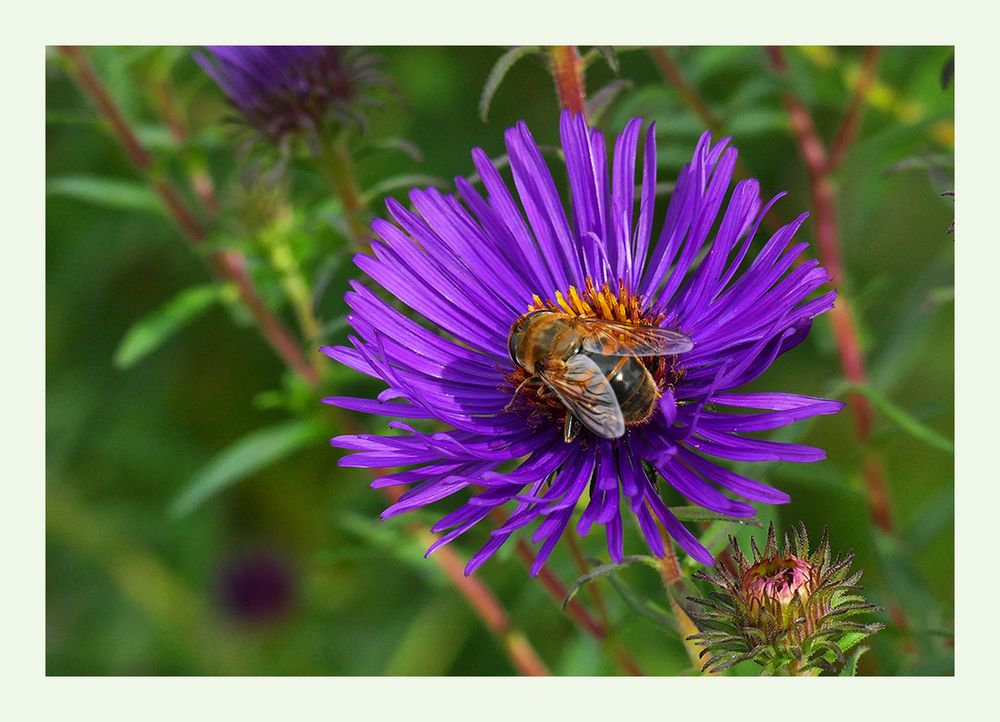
{"x": 512, "y": 344}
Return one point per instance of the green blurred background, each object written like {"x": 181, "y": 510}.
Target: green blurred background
{"x": 287, "y": 569}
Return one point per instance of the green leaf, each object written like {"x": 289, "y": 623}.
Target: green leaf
{"x": 850, "y": 668}
{"x": 108, "y": 192}
{"x": 400, "y": 181}
{"x": 906, "y": 421}
{"x": 603, "y": 98}
{"x": 693, "y": 512}
{"x": 499, "y": 71}
{"x": 934, "y": 516}
{"x": 244, "y": 457}
{"x": 602, "y": 571}
{"x": 387, "y": 540}
{"x": 851, "y": 640}
{"x": 151, "y": 332}
{"x": 642, "y": 606}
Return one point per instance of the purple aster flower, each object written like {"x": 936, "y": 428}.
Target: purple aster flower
{"x": 284, "y": 90}
{"x": 473, "y": 265}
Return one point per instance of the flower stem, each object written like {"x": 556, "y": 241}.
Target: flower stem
{"x": 578, "y": 613}
{"x": 673, "y": 75}
{"x": 688, "y": 94}
{"x": 283, "y": 260}
{"x": 819, "y": 166}
{"x": 567, "y": 71}
{"x": 484, "y": 603}
{"x": 198, "y": 175}
{"x": 228, "y": 265}
{"x": 338, "y": 167}
{"x": 676, "y": 589}
{"x": 576, "y": 552}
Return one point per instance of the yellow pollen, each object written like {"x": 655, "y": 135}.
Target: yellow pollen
{"x": 578, "y": 303}
{"x": 562, "y": 303}
{"x": 608, "y": 303}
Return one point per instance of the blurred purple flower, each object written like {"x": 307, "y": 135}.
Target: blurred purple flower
{"x": 256, "y": 586}
{"x": 472, "y": 270}
{"x": 285, "y": 90}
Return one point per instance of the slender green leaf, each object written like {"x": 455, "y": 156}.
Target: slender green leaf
{"x": 244, "y": 457}
{"x": 400, "y": 181}
{"x": 499, "y": 71}
{"x": 603, "y": 98}
{"x": 850, "y": 668}
{"x": 602, "y": 571}
{"x": 108, "y": 192}
{"x": 905, "y": 421}
{"x": 151, "y": 332}
{"x": 696, "y": 513}
{"x": 642, "y": 606}
{"x": 934, "y": 516}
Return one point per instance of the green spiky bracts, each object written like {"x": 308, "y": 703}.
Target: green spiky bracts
{"x": 790, "y": 611}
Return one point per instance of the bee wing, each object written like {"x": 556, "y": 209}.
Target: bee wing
{"x": 611, "y": 338}
{"x": 587, "y": 394}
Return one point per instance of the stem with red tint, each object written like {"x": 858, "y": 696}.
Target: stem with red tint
{"x": 567, "y": 71}
{"x": 558, "y": 591}
{"x": 228, "y": 265}
{"x": 819, "y": 166}
{"x": 673, "y": 584}
{"x": 483, "y": 602}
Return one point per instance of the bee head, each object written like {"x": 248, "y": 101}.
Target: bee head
{"x": 517, "y": 331}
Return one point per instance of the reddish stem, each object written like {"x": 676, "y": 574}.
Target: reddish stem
{"x": 567, "y": 70}
{"x": 676, "y": 78}
{"x": 557, "y": 590}
{"x": 483, "y": 602}
{"x": 845, "y": 331}
{"x": 229, "y": 265}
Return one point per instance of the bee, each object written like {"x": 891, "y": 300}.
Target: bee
{"x": 595, "y": 368}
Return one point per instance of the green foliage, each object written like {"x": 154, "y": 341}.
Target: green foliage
{"x": 602, "y": 571}
{"x": 108, "y": 192}
{"x": 151, "y": 332}
{"x": 907, "y": 422}
{"x": 132, "y": 590}
{"x": 243, "y": 458}
{"x": 498, "y": 72}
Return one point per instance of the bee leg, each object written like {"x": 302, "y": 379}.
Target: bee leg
{"x": 571, "y": 428}
{"x": 513, "y": 398}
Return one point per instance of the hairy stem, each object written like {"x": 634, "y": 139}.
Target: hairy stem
{"x": 673, "y": 583}
{"x": 228, "y": 265}
{"x": 567, "y": 71}
{"x": 338, "y": 166}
